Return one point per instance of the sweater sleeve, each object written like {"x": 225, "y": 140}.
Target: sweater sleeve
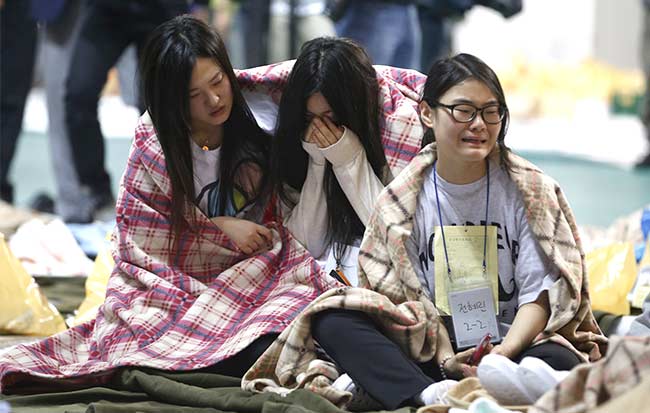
{"x": 307, "y": 221}
{"x": 354, "y": 174}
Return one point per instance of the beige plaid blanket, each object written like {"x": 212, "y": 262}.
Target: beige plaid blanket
{"x": 394, "y": 298}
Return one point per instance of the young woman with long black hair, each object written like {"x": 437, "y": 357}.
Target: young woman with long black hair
{"x": 327, "y": 159}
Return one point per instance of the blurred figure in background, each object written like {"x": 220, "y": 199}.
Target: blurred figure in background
{"x": 436, "y": 22}
{"x": 18, "y": 48}
{"x": 107, "y": 29}
{"x": 388, "y": 29}
{"x": 252, "y": 24}
{"x": 59, "y": 32}
{"x": 437, "y": 18}
{"x": 645, "y": 55}
{"x": 310, "y": 23}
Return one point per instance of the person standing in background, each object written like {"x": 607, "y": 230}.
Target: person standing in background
{"x": 373, "y": 24}
{"x": 310, "y": 23}
{"x": 18, "y": 47}
{"x": 645, "y": 55}
{"x": 107, "y": 29}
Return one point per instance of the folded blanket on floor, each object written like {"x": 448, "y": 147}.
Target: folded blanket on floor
{"x": 153, "y": 391}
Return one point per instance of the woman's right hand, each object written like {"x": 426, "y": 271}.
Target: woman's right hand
{"x": 249, "y": 237}
{"x": 323, "y": 132}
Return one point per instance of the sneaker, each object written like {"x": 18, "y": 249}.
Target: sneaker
{"x": 42, "y": 202}
{"x": 498, "y": 375}
{"x": 344, "y": 383}
{"x": 361, "y": 401}
{"x": 436, "y": 393}
{"x": 103, "y": 207}
{"x": 538, "y": 377}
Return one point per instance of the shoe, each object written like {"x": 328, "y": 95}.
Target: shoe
{"x": 361, "y": 401}
{"x": 644, "y": 163}
{"x": 103, "y": 207}
{"x": 436, "y": 393}
{"x": 498, "y": 375}
{"x": 42, "y": 202}
{"x": 538, "y": 377}
{"x": 344, "y": 383}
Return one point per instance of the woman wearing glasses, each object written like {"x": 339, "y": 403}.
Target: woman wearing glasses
{"x": 465, "y": 177}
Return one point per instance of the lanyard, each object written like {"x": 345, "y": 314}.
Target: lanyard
{"x": 487, "y": 203}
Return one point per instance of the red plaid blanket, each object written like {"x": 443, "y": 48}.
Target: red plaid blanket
{"x": 183, "y": 311}
{"x": 206, "y": 302}
{"x": 399, "y": 94}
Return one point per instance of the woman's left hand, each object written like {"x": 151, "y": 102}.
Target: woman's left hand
{"x": 324, "y": 132}
{"x": 458, "y": 366}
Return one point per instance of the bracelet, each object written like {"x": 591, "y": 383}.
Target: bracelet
{"x": 443, "y": 373}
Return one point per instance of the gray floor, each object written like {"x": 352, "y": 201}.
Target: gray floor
{"x": 599, "y": 193}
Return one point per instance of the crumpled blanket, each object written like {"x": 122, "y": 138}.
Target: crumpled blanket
{"x": 617, "y": 383}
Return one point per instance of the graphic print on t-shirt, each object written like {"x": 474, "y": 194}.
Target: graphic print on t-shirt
{"x": 210, "y": 193}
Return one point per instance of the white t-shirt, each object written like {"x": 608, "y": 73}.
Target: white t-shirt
{"x": 524, "y": 271}
{"x": 206, "y": 181}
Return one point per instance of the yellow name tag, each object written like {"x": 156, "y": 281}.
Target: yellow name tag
{"x": 465, "y": 252}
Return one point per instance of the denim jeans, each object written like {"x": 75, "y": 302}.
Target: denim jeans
{"x": 390, "y": 32}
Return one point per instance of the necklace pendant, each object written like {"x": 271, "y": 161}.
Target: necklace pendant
{"x": 205, "y": 148}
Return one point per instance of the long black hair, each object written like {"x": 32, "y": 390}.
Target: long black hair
{"x": 165, "y": 72}
{"x": 449, "y": 72}
{"x": 342, "y": 72}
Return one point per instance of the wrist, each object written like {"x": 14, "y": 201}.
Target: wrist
{"x": 444, "y": 372}
{"x": 509, "y": 348}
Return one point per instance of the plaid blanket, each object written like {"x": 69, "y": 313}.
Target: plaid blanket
{"x": 399, "y": 95}
{"x": 617, "y": 383}
{"x": 206, "y": 302}
{"x": 178, "y": 311}
{"x": 394, "y": 297}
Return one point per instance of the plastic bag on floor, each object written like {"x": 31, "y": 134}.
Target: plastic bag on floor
{"x": 95, "y": 288}
{"x": 612, "y": 273}
{"x": 23, "y": 308}
{"x": 641, "y": 288}
{"x": 49, "y": 249}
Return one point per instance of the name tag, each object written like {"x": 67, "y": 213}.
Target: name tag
{"x": 473, "y": 314}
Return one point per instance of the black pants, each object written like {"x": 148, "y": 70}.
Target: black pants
{"x": 239, "y": 364}
{"x": 373, "y": 361}
{"x": 555, "y": 355}
{"x": 108, "y": 29}
{"x": 18, "y": 53}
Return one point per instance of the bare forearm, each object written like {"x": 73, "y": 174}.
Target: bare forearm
{"x": 530, "y": 320}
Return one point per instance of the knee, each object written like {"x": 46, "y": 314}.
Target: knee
{"x": 330, "y": 324}
{"x": 323, "y": 325}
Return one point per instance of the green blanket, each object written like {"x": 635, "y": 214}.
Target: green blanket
{"x": 148, "y": 390}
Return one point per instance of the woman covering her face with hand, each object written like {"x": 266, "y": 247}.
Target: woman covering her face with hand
{"x": 327, "y": 159}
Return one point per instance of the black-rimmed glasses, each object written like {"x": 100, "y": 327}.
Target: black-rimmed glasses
{"x": 465, "y": 113}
